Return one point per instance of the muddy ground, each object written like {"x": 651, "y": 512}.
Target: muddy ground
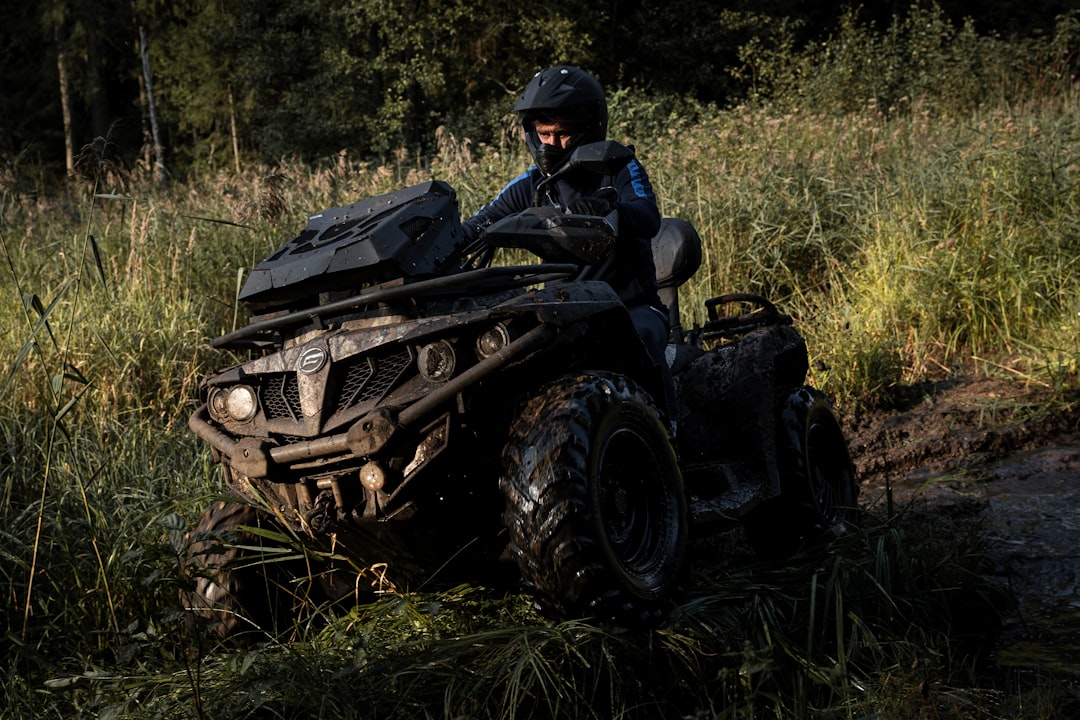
{"x": 988, "y": 451}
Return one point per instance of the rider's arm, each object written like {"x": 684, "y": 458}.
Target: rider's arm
{"x": 515, "y": 197}
{"x": 637, "y": 202}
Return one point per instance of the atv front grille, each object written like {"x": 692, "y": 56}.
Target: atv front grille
{"x": 359, "y": 379}
{"x": 371, "y": 378}
{"x": 279, "y": 396}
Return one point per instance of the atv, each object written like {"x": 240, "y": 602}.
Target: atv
{"x": 413, "y": 412}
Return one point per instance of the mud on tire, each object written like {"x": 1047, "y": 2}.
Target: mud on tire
{"x": 819, "y": 493}
{"x": 595, "y": 508}
{"x": 228, "y": 593}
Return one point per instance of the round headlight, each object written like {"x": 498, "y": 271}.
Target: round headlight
{"x": 492, "y": 341}
{"x": 241, "y": 403}
{"x": 436, "y": 361}
{"x": 215, "y": 403}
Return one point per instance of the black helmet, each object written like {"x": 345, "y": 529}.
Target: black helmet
{"x": 569, "y": 95}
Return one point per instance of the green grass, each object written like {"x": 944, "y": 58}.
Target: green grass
{"x": 906, "y": 244}
{"x": 870, "y": 629}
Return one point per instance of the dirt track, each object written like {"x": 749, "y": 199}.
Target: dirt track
{"x": 955, "y": 425}
{"x": 984, "y": 449}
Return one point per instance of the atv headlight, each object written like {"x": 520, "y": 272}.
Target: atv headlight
{"x": 492, "y": 341}
{"x": 238, "y": 402}
{"x": 215, "y": 403}
{"x": 242, "y": 403}
{"x": 436, "y": 361}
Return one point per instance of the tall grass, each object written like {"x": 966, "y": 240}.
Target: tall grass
{"x": 906, "y": 241}
{"x": 871, "y": 630}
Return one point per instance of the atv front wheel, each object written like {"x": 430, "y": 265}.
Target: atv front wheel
{"x": 818, "y": 490}
{"x": 595, "y": 507}
{"x": 229, "y": 592}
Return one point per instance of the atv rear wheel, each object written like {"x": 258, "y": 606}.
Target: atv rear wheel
{"x": 230, "y": 593}
{"x": 595, "y": 507}
{"x": 819, "y": 492}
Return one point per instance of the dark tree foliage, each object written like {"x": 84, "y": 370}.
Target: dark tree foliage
{"x": 1007, "y": 18}
{"x": 696, "y": 57}
{"x": 102, "y": 74}
{"x": 28, "y": 91}
{"x": 263, "y": 79}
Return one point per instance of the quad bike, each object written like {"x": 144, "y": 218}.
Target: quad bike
{"x": 414, "y": 408}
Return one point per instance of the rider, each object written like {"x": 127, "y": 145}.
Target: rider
{"x": 561, "y": 108}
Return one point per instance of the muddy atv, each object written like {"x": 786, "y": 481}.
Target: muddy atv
{"x": 413, "y": 413}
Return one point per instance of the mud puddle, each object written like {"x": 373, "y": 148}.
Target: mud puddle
{"x": 1028, "y": 504}
{"x": 984, "y": 449}
{"x": 1033, "y": 515}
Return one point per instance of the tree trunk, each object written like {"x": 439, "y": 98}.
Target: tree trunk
{"x": 232, "y": 130}
{"x": 65, "y": 103}
{"x": 160, "y": 176}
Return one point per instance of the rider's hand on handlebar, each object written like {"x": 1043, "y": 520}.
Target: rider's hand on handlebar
{"x": 593, "y": 205}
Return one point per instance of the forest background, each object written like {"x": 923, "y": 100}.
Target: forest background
{"x": 901, "y": 178}
{"x": 210, "y": 82}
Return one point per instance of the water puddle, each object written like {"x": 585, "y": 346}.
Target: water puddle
{"x": 1030, "y": 505}
{"x": 1033, "y": 514}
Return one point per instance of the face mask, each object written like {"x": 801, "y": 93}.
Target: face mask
{"x": 549, "y": 158}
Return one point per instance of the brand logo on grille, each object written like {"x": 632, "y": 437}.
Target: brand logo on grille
{"x": 311, "y": 360}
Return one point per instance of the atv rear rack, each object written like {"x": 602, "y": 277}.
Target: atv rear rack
{"x": 763, "y": 314}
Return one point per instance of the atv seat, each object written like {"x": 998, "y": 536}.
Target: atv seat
{"x": 676, "y": 253}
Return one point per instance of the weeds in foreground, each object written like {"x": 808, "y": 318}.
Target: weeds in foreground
{"x": 886, "y": 623}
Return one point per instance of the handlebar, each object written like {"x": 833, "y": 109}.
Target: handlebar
{"x": 555, "y": 236}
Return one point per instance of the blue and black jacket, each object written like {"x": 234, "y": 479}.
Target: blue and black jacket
{"x": 632, "y": 274}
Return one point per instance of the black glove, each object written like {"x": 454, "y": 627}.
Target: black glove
{"x": 592, "y": 205}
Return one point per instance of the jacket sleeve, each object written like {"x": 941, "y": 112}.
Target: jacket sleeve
{"x": 638, "y": 210}
{"x": 515, "y": 197}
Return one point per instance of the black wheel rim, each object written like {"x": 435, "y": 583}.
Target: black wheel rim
{"x": 634, "y": 503}
{"x": 829, "y": 469}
